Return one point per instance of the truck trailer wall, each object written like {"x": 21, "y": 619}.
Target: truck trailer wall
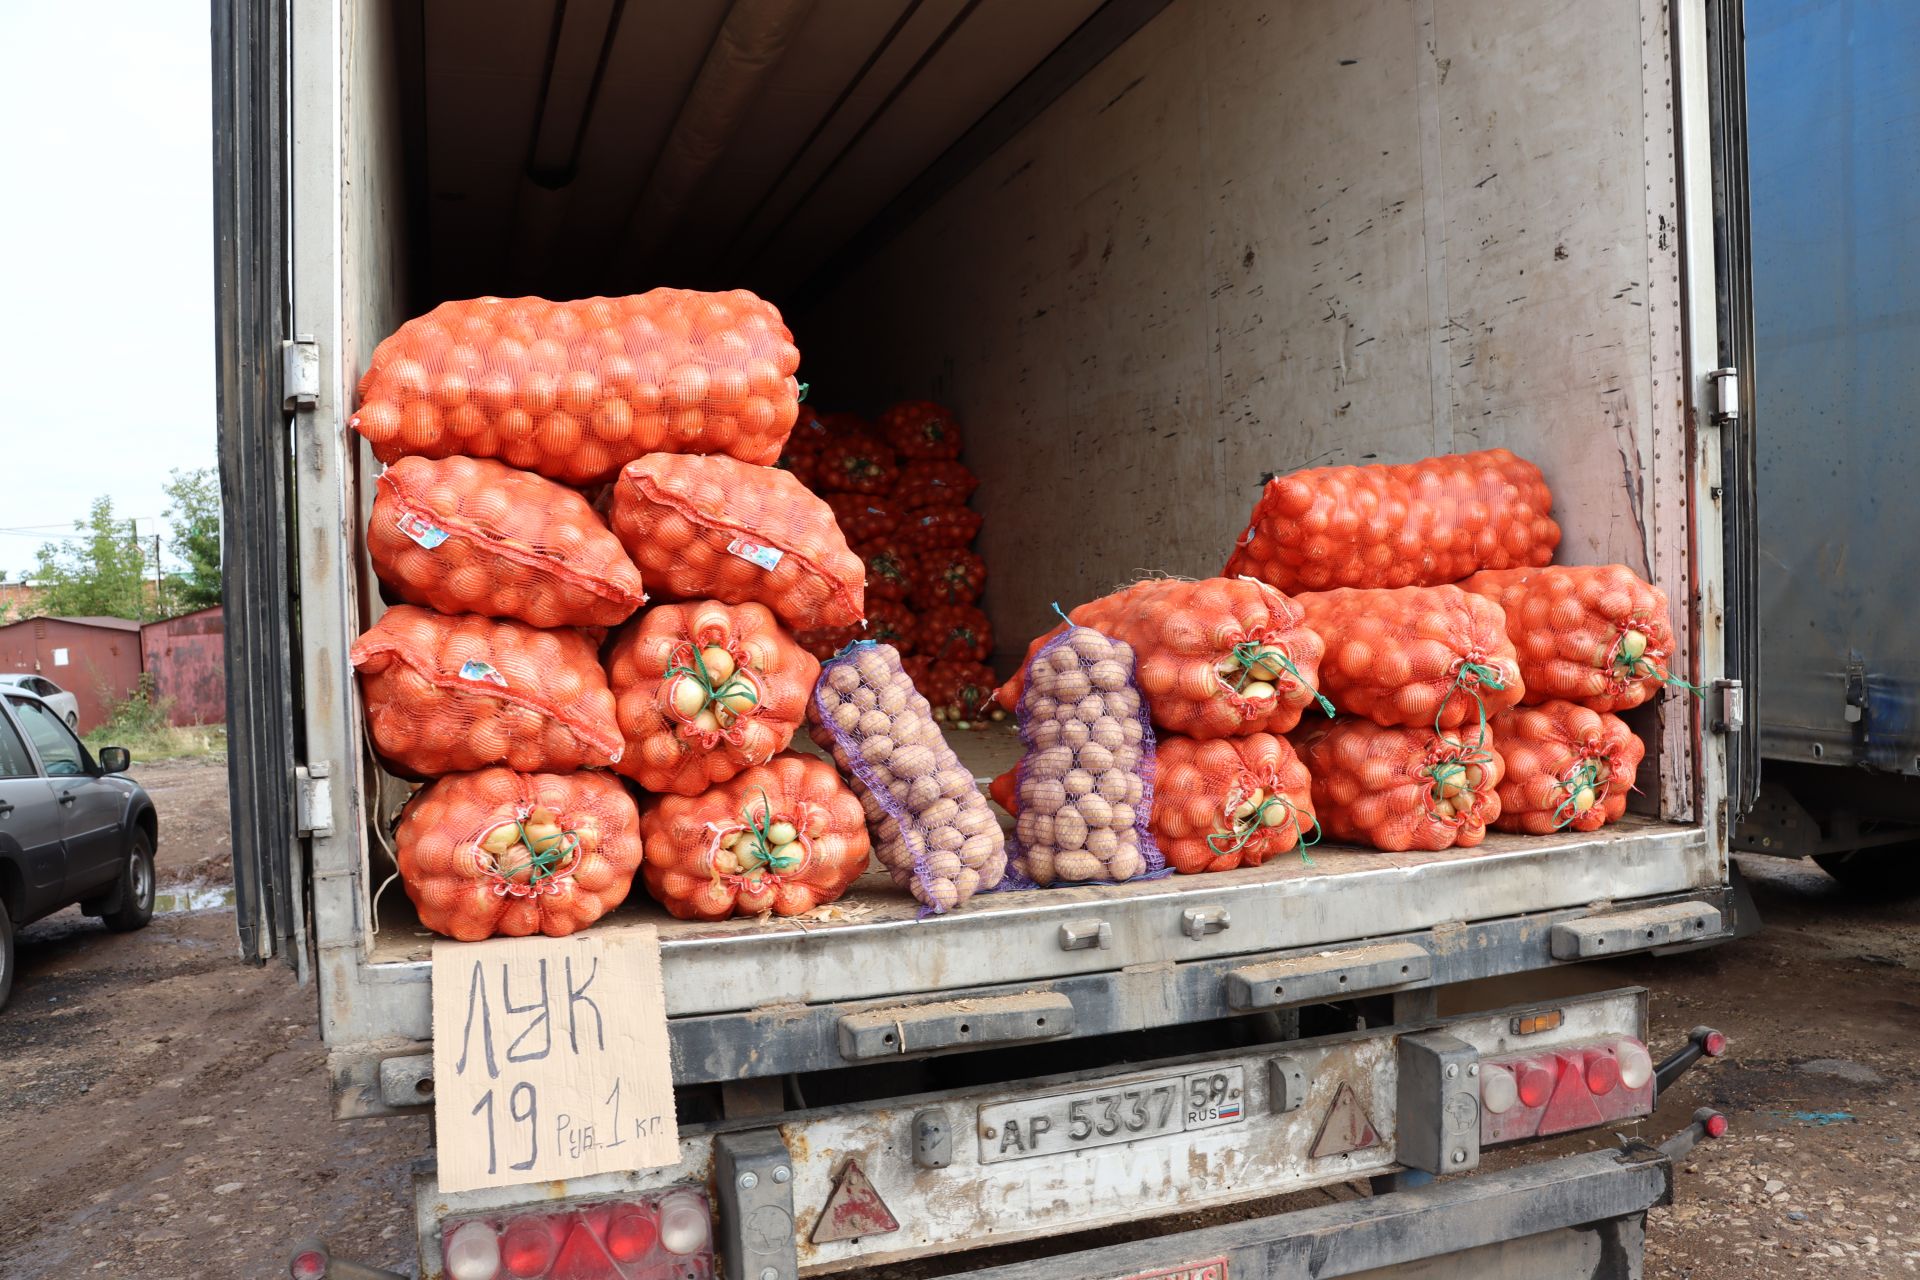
{"x": 1266, "y": 236}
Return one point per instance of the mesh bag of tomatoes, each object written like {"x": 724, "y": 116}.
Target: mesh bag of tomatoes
{"x": 921, "y": 429}
{"x": 1222, "y": 803}
{"x": 863, "y": 517}
{"x": 1217, "y": 658}
{"x": 1437, "y": 657}
{"x": 856, "y": 464}
{"x": 812, "y": 433}
{"x": 947, "y": 575}
{"x": 1566, "y": 767}
{"x": 703, "y": 690}
{"x": 451, "y": 695}
{"x": 1408, "y": 525}
{"x": 932, "y": 829}
{"x": 575, "y": 389}
{"x": 892, "y": 623}
{"x": 890, "y": 570}
{"x": 499, "y": 852}
{"x": 469, "y": 535}
{"x": 783, "y": 837}
{"x": 824, "y": 642}
{"x": 1399, "y": 789}
{"x": 961, "y": 692}
{"x": 1084, "y": 785}
{"x": 714, "y": 528}
{"x": 934, "y": 484}
{"x": 1597, "y": 635}
{"x": 935, "y": 528}
{"x": 955, "y": 633}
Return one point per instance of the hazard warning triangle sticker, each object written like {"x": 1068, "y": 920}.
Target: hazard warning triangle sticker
{"x": 854, "y": 1209}
{"x": 1346, "y": 1127}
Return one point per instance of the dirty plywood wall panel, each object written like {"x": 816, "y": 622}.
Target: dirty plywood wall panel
{"x": 1262, "y": 236}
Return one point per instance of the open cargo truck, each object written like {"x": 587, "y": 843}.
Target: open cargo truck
{"x": 1149, "y": 252}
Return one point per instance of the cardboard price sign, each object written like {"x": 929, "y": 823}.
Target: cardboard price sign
{"x": 550, "y": 1058}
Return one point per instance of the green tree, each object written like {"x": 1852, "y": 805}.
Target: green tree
{"x": 195, "y": 520}
{"x": 101, "y": 572}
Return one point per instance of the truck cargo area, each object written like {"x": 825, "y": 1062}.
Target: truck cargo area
{"x": 1149, "y": 253}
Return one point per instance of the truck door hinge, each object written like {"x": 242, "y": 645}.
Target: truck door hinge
{"x": 313, "y": 798}
{"x": 1729, "y": 706}
{"x": 300, "y": 373}
{"x": 1726, "y": 395}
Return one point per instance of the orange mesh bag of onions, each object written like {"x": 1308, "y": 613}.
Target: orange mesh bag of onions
{"x": 1567, "y": 766}
{"x": 470, "y": 535}
{"x": 1597, "y": 635}
{"x": 1428, "y": 656}
{"x": 499, "y": 852}
{"x": 1217, "y": 658}
{"x": 1399, "y": 789}
{"x": 574, "y": 390}
{"x": 1084, "y": 785}
{"x": 451, "y": 695}
{"x": 933, "y": 830}
{"x": 703, "y": 690}
{"x": 1410, "y": 525}
{"x": 782, "y": 837}
{"x": 1223, "y": 803}
{"x": 714, "y": 528}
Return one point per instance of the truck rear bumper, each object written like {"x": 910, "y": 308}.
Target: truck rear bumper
{"x": 1577, "y": 1216}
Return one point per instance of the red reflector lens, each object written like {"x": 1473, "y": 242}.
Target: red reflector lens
{"x": 527, "y": 1248}
{"x": 311, "y": 1265}
{"x": 1716, "y": 1126}
{"x": 1603, "y": 1072}
{"x": 1536, "y": 1084}
{"x": 630, "y": 1236}
{"x": 1715, "y": 1045}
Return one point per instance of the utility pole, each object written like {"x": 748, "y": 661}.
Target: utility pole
{"x": 156, "y": 575}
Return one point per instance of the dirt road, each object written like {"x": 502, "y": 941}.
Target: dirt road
{"x": 164, "y": 1109}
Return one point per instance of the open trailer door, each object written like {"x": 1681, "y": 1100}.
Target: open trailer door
{"x": 256, "y": 361}
{"x": 1733, "y": 706}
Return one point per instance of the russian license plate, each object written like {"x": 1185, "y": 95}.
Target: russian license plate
{"x": 1099, "y": 1117}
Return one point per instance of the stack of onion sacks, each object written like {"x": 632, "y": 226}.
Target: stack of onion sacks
{"x": 1399, "y": 788}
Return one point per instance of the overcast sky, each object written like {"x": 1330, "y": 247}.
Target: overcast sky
{"x": 106, "y": 259}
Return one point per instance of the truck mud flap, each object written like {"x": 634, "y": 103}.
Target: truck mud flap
{"x": 1581, "y": 1215}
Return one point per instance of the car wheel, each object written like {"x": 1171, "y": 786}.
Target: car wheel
{"x": 6, "y": 955}
{"x": 136, "y": 888}
{"x": 1886, "y": 873}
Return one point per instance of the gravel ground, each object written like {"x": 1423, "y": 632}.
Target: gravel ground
{"x": 165, "y": 1106}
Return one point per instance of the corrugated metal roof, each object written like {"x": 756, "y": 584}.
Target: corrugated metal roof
{"x": 111, "y": 624}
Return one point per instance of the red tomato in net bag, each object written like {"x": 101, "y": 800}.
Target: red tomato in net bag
{"x": 452, "y": 695}
{"x": 1597, "y": 635}
{"x": 948, "y": 575}
{"x": 469, "y": 535}
{"x": 890, "y": 569}
{"x": 955, "y": 633}
{"x": 1567, "y": 767}
{"x": 1217, "y": 658}
{"x": 499, "y": 852}
{"x": 824, "y": 642}
{"x": 893, "y": 623}
{"x": 1399, "y": 789}
{"x": 863, "y": 517}
{"x": 855, "y": 464}
{"x": 1414, "y": 656}
{"x": 1413, "y": 524}
{"x": 933, "y": 527}
{"x": 921, "y": 429}
{"x": 703, "y": 690}
{"x": 1222, "y": 803}
{"x": 713, "y": 528}
{"x": 782, "y": 837}
{"x": 573, "y": 390}
{"x": 960, "y": 690}
{"x": 934, "y": 484}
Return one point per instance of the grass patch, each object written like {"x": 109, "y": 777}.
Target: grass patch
{"x": 139, "y": 722}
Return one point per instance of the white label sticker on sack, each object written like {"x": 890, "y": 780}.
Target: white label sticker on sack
{"x": 474, "y": 669}
{"x": 421, "y": 529}
{"x": 764, "y": 556}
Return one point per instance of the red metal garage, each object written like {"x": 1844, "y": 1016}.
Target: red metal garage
{"x": 186, "y": 656}
{"x": 96, "y": 659}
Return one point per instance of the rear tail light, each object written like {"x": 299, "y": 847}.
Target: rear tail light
{"x": 1715, "y": 1125}
{"x": 1713, "y": 1043}
{"x": 1564, "y": 1088}
{"x": 309, "y": 1264}
{"x": 664, "y": 1236}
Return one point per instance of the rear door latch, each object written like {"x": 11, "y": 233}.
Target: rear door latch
{"x": 300, "y": 373}
{"x": 1729, "y": 706}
